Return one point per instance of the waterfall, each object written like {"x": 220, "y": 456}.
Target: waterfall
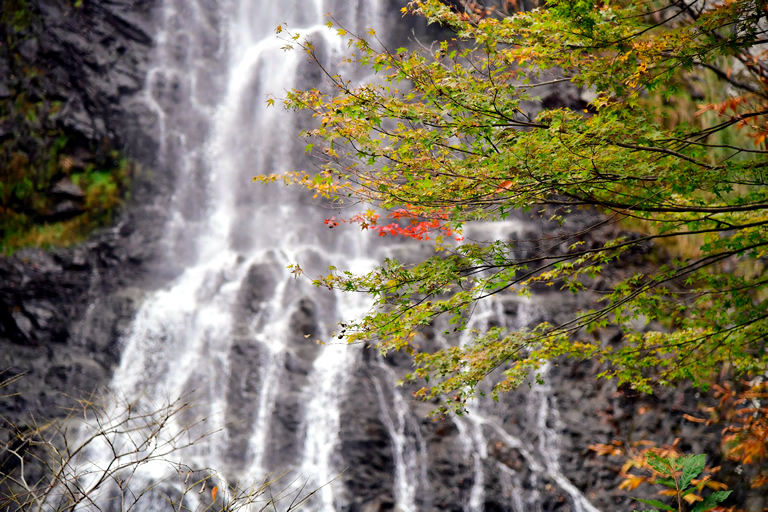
{"x": 234, "y": 327}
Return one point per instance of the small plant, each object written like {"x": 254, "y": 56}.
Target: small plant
{"x": 678, "y": 476}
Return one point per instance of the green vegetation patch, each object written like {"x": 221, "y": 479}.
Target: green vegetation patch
{"x": 28, "y": 214}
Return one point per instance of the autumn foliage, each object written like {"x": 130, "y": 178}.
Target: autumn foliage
{"x": 446, "y": 136}
{"x": 667, "y": 132}
{"x": 743, "y": 413}
{"x": 409, "y": 223}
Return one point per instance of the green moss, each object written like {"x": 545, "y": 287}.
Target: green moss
{"x": 16, "y": 14}
{"x": 46, "y": 235}
{"x": 25, "y": 207}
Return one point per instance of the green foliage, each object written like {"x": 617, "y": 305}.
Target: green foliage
{"x": 16, "y": 14}
{"x": 679, "y": 474}
{"x": 446, "y": 135}
{"x": 24, "y": 218}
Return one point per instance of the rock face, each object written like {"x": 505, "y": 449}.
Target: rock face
{"x": 61, "y": 312}
{"x": 522, "y": 448}
{"x": 94, "y": 57}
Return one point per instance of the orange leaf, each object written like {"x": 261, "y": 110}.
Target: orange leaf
{"x": 632, "y": 482}
{"x": 702, "y": 109}
{"x": 505, "y": 185}
{"x": 214, "y": 492}
{"x": 717, "y": 486}
{"x": 605, "y": 449}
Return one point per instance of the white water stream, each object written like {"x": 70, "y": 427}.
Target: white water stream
{"x": 236, "y": 329}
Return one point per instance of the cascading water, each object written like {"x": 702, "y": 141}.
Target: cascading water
{"x": 237, "y": 329}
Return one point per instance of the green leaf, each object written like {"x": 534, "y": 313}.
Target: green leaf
{"x": 711, "y": 501}
{"x": 656, "y": 503}
{"x": 660, "y": 464}
{"x": 458, "y": 149}
{"x": 693, "y": 465}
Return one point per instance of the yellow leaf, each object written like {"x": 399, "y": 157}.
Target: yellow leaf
{"x": 692, "y": 498}
{"x": 717, "y": 486}
{"x": 632, "y": 482}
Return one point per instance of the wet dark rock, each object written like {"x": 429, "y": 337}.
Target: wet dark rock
{"x": 297, "y": 366}
{"x": 61, "y": 312}
{"x": 19, "y": 327}
{"x": 6, "y": 130}
{"x": 258, "y": 286}
{"x": 68, "y": 306}
{"x": 65, "y": 187}
{"x": 28, "y": 49}
{"x": 65, "y": 210}
{"x": 107, "y": 321}
{"x": 75, "y": 116}
{"x": 243, "y": 389}
{"x": 78, "y": 375}
{"x": 130, "y": 24}
{"x": 378, "y": 505}
{"x": 42, "y": 312}
{"x": 563, "y": 96}
{"x": 94, "y": 58}
{"x": 365, "y": 447}
{"x": 303, "y": 328}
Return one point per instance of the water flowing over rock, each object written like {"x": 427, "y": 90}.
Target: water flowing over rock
{"x": 191, "y": 292}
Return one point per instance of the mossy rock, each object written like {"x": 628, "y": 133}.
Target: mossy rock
{"x": 37, "y": 152}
